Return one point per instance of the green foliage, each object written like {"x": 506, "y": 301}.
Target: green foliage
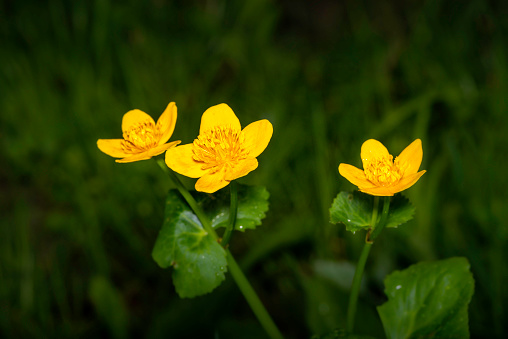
{"x": 354, "y": 209}
{"x": 401, "y": 211}
{"x": 252, "y": 206}
{"x": 198, "y": 261}
{"x": 428, "y": 300}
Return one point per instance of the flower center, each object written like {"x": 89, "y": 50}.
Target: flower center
{"x": 382, "y": 171}
{"x": 218, "y": 147}
{"x": 143, "y": 135}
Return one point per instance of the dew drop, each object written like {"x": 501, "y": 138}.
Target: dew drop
{"x": 398, "y": 287}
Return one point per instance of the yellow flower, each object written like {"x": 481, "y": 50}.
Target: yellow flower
{"x": 222, "y": 152}
{"x": 142, "y": 137}
{"x": 381, "y": 175}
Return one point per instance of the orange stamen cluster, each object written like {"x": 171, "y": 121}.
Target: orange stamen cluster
{"x": 382, "y": 171}
{"x": 141, "y": 136}
{"x": 218, "y": 147}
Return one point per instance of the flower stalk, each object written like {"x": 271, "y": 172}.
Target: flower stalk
{"x": 241, "y": 281}
{"x": 233, "y": 210}
{"x": 360, "y": 266}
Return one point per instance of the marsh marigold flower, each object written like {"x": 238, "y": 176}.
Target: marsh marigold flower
{"x": 381, "y": 174}
{"x": 142, "y": 137}
{"x": 222, "y": 152}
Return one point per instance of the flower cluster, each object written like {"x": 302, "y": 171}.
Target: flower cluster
{"x": 222, "y": 152}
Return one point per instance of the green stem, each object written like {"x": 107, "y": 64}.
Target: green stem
{"x": 189, "y": 198}
{"x": 252, "y": 298}
{"x": 382, "y": 221}
{"x": 360, "y": 266}
{"x": 241, "y": 281}
{"x": 233, "y": 210}
{"x": 355, "y": 287}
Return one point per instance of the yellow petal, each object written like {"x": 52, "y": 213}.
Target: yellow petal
{"x": 162, "y": 148}
{"x": 212, "y": 182}
{"x": 112, "y": 147}
{"x": 379, "y": 191}
{"x": 372, "y": 149}
{"x": 166, "y": 123}
{"x": 402, "y": 185}
{"x": 219, "y": 115}
{"x": 180, "y": 160}
{"x": 355, "y": 175}
{"x": 136, "y": 157}
{"x": 411, "y": 157}
{"x": 242, "y": 169}
{"x": 134, "y": 117}
{"x": 257, "y": 136}
{"x": 407, "y": 181}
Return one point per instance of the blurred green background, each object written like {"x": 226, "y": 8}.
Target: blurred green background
{"x": 77, "y": 229}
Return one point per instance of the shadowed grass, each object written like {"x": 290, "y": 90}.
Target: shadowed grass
{"x": 327, "y": 75}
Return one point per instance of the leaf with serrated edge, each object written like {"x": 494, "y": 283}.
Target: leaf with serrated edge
{"x": 354, "y": 209}
{"x": 401, "y": 211}
{"x": 252, "y": 206}
{"x": 428, "y": 299}
{"x": 198, "y": 261}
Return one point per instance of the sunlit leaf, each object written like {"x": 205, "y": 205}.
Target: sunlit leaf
{"x": 198, "y": 260}
{"x": 428, "y": 300}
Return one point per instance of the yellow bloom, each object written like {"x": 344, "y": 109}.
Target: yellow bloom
{"x": 223, "y": 151}
{"x": 381, "y": 175}
{"x": 142, "y": 137}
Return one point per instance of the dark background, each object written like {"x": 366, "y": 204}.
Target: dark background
{"x": 77, "y": 229}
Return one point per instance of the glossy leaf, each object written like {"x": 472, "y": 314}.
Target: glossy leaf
{"x": 428, "y": 300}
{"x": 401, "y": 211}
{"x": 198, "y": 260}
{"x": 354, "y": 209}
{"x": 252, "y": 206}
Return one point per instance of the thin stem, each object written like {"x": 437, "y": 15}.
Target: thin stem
{"x": 355, "y": 287}
{"x": 233, "y": 210}
{"x": 189, "y": 198}
{"x": 252, "y": 298}
{"x": 360, "y": 266}
{"x": 241, "y": 281}
{"x": 382, "y": 221}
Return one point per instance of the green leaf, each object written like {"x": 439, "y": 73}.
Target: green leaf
{"x": 252, "y": 206}
{"x": 428, "y": 300}
{"x": 401, "y": 211}
{"x": 198, "y": 260}
{"x": 354, "y": 209}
